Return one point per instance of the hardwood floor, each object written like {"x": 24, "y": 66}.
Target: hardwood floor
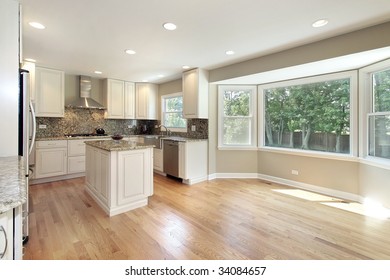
{"x": 219, "y": 219}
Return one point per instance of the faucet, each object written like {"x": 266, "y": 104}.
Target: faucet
{"x": 167, "y": 131}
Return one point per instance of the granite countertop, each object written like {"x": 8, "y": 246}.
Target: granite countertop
{"x": 13, "y": 183}
{"x": 182, "y": 139}
{"x": 174, "y": 138}
{"x": 72, "y": 138}
{"x": 121, "y": 145}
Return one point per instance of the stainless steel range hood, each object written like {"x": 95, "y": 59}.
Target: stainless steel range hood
{"x": 85, "y": 100}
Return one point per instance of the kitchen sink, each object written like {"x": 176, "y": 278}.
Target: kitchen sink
{"x": 153, "y": 140}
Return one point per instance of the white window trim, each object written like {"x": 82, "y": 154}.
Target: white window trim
{"x": 365, "y": 108}
{"x": 221, "y": 89}
{"x": 176, "y": 94}
{"x": 353, "y": 75}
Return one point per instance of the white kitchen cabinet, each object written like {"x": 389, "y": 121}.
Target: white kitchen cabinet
{"x": 120, "y": 99}
{"x": 49, "y": 92}
{"x": 6, "y": 235}
{"x": 195, "y": 94}
{"x": 158, "y": 162}
{"x": 193, "y": 161}
{"x": 76, "y": 156}
{"x": 146, "y": 99}
{"x": 51, "y": 158}
{"x": 97, "y": 173}
{"x": 114, "y": 96}
{"x": 119, "y": 181}
{"x": 129, "y": 102}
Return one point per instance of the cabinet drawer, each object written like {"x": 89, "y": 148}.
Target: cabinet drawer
{"x": 76, "y": 164}
{"x": 76, "y": 147}
{"x": 52, "y": 144}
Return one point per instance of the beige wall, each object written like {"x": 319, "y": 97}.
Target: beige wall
{"x": 334, "y": 174}
{"x": 375, "y": 183}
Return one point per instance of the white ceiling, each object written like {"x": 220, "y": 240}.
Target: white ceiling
{"x": 82, "y": 36}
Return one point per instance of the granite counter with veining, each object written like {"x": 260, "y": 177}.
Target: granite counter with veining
{"x": 13, "y": 183}
{"x": 121, "y": 145}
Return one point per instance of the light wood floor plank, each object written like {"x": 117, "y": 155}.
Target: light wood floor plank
{"x": 219, "y": 219}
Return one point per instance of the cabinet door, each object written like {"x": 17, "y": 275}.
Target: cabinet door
{"x": 190, "y": 94}
{"x": 90, "y": 168}
{"x": 135, "y": 175}
{"x": 158, "y": 159}
{"x": 51, "y": 162}
{"x": 115, "y": 90}
{"x": 129, "y": 100}
{"x": 76, "y": 164}
{"x": 49, "y": 92}
{"x": 76, "y": 147}
{"x": 146, "y": 96}
{"x": 195, "y": 94}
{"x": 6, "y": 235}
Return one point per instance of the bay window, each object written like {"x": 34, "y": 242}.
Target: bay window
{"x": 313, "y": 114}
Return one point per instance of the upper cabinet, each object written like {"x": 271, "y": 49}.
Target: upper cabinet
{"x": 146, "y": 98}
{"x": 195, "y": 94}
{"x": 49, "y": 92}
{"x": 120, "y": 99}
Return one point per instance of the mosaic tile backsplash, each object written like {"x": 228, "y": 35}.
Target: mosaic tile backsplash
{"x": 87, "y": 120}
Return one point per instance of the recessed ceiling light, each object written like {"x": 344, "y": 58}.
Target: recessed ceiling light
{"x": 30, "y": 60}
{"x": 145, "y": 81}
{"x": 186, "y": 67}
{"x": 169, "y": 26}
{"x": 160, "y": 76}
{"x": 98, "y": 72}
{"x": 229, "y": 52}
{"x": 37, "y": 25}
{"x": 320, "y": 22}
{"x": 130, "y": 51}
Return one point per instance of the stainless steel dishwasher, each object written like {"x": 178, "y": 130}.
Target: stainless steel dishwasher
{"x": 171, "y": 157}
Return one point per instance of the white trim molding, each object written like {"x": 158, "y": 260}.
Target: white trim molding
{"x": 290, "y": 183}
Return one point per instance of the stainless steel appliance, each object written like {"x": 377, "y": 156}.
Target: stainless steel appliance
{"x": 27, "y": 130}
{"x": 171, "y": 157}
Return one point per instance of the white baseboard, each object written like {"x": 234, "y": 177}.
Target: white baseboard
{"x": 290, "y": 183}
{"x": 233, "y": 176}
{"x": 313, "y": 188}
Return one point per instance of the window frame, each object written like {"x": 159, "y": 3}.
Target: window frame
{"x": 166, "y": 96}
{"x": 366, "y": 108}
{"x": 253, "y": 117}
{"x": 353, "y": 76}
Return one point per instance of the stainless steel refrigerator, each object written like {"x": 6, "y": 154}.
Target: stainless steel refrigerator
{"x": 27, "y": 130}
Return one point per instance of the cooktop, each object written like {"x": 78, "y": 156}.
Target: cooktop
{"x": 83, "y": 135}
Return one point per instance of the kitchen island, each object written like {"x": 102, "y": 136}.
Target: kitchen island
{"x": 119, "y": 174}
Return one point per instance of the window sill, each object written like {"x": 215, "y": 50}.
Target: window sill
{"x": 237, "y": 148}
{"x": 376, "y": 162}
{"x": 314, "y": 154}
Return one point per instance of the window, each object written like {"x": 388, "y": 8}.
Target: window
{"x": 237, "y": 117}
{"x": 312, "y": 114}
{"x": 379, "y": 119}
{"x": 172, "y": 112}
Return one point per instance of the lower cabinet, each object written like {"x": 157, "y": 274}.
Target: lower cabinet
{"x": 76, "y": 156}
{"x": 97, "y": 172}
{"x": 193, "y": 161}
{"x": 6, "y": 236}
{"x": 119, "y": 181}
{"x": 51, "y": 158}
{"x": 158, "y": 161}
{"x": 11, "y": 235}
